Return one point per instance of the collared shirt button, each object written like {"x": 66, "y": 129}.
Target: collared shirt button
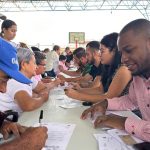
{"x": 148, "y": 88}
{"x": 147, "y": 105}
{"x": 133, "y": 132}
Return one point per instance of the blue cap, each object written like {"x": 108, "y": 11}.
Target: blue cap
{"x": 9, "y": 62}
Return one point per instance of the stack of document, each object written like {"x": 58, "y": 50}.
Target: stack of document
{"x": 70, "y": 103}
{"x": 115, "y": 139}
{"x": 65, "y": 102}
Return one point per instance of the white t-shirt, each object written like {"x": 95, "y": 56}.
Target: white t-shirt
{"x": 7, "y": 101}
{"x": 52, "y": 61}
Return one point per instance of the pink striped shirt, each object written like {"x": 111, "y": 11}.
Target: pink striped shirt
{"x": 138, "y": 97}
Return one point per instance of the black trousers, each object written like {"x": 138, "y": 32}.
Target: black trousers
{"x": 51, "y": 73}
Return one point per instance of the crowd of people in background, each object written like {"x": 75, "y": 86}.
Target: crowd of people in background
{"x": 111, "y": 74}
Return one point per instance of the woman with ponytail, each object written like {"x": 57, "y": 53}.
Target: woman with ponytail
{"x": 8, "y": 31}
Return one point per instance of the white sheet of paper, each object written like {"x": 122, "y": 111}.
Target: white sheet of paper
{"x": 117, "y": 133}
{"x": 58, "y": 91}
{"x": 107, "y": 142}
{"x": 69, "y": 106}
{"x": 70, "y": 103}
{"x": 59, "y": 135}
{"x": 111, "y": 140}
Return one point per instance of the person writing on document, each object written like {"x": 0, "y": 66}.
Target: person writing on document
{"x": 26, "y": 138}
{"x": 134, "y": 44}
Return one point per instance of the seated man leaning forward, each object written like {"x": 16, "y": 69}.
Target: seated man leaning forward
{"x": 134, "y": 43}
{"x": 18, "y": 96}
{"x": 26, "y": 138}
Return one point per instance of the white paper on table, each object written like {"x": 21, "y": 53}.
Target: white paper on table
{"x": 70, "y": 103}
{"x": 60, "y": 89}
{"x": 58, "y": 97}
{"x": 107, "y": 142}
{"x": 57, "y": 91}
{"x": 117, "y": 133}
{"x": 111, "y": 140}
{"x": 59, "y": 135}
{"x": 66, "y": 102}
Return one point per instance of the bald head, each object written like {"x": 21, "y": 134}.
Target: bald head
{"x": 137, "y": 26}
{"x": 134, "y": 44}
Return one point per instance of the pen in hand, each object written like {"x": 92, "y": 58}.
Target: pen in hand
{"x": 41, "y": 117}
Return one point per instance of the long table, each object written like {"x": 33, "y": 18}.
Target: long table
{"x": 82, "y": 138}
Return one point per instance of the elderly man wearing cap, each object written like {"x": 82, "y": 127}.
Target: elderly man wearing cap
{"x": 26, "y": 138}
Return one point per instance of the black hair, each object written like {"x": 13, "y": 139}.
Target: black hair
{"x": 137, "y": 26}
{"x": 78, "y": 50}
{"x": 39, "y": 56}
{"x": 56, "y": 47}
{"x": 34, "y": 49}
{"x": 6, "y": 24}
{"x": 110, "y": 41}
{"x": 81, "y": 54}
{"x": 94, "y": 45}
{"x": 46, "y": 50}
{"x": 67, "y": 48}
{"x": 62, "y": 57}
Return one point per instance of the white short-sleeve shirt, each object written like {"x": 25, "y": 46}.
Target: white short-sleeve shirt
{"x": 52, "y": 61}
{"x": 7, "y": 100}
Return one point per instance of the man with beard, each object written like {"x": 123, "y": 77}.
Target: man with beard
{"x": 93, "y": 56}
{"x": 80, "y": 60}
{"x": 134, "y": 44}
